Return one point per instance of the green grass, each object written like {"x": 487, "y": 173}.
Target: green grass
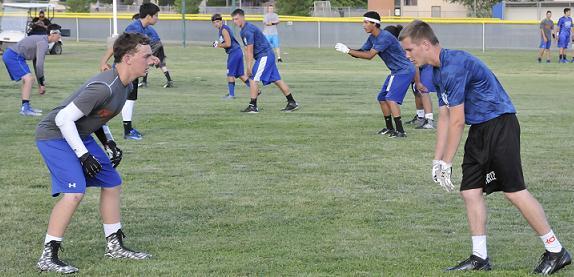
{"x": 211, "y": 191}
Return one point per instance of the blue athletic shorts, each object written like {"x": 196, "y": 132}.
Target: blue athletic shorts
{"x": 395, "y": 87}
{"x": 273, "y": 40}
{"x": 265, "y": 70}
{"x": 426, "y": 79}
{"x": 235, "y": 63}
{"x": 563, "y": 41}
{"x": 545, "y": 45}
{"x": 66, "y": 170}
{"x": 15, "y": 64}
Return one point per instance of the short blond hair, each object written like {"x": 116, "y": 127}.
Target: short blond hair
{"x": 418, "y": 30}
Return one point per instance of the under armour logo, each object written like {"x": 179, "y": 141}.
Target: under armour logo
{"x": 490, "y": 177}
{"x": 71, "y": 185}
{"x": 444, "y": 98}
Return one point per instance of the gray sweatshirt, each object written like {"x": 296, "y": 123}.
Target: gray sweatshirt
{"x": 33, "y": 48}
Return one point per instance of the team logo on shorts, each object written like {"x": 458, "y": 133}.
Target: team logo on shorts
{"x": 245, "y": 41}
{"x": 444, "y": 98}
{"x": 490, "y": 177}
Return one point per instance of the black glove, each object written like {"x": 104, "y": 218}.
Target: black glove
{"x": 114, "y": 153}
{"x": 90, "y": 165}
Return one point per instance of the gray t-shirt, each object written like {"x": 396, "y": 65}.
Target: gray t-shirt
{"x": 270, "y": 18}
{"x": 547, "y": 25}
{"x": 100, "y": 99}
{"x": 33, "y": 47}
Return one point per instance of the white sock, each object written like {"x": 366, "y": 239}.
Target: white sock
{"x": 420, "y": 113}
{"x": 128, "y": 110}
{"x": 479, "y": 246}
{"x": 51, "y": 238}
{"x": 551, "y": 242}
{"x": 429, "y": 116}
{"x": 111, "y": 228}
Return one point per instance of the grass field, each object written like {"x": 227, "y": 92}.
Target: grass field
{"x": 211, "y": 191}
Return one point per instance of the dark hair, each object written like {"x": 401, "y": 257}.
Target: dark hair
{"x": 566, "y": 10}
{"x": 135, "y": 16}
{"x": 54, "y": 27}
{"x": 216, "y": 17}
{"x": 418, "y": 30}
{"x": 148, "y": 9}
{"x": 373, "y": 15}
{"x": 548, "y": 12}
{"x": 394, "y": 30}
{"x": 238, "y": 12}
{"x": 127, "y": 43}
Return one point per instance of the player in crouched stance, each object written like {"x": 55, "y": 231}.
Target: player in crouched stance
{"x": 466, "y": 88}
{"x": 76, "y": 161}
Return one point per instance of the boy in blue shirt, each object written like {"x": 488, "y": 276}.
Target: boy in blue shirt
{"x": 392, "y": 94}
{"x": 470, "y": 93}
{"x": 564, "y": 34}
{"x": 261, "y": 65}
{"x": 159, "y": 52}
{"x": 227, "y": 41}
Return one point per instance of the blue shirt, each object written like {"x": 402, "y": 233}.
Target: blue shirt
{"x": 136, "y": 27}
{"x": 464, "y": 79}
{"x": 390, "y": 51}
{"x": 251, "y": 35}
{"x": 234, "y": 44}
{"x": 565, "y": 25}
{"x": 152, "y": 34}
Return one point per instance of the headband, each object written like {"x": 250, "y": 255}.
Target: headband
{"x": 372, "y": 20}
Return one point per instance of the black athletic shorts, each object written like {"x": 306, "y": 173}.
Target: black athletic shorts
{"x": 133, "y": 95}
{"x": 492, "y": 156}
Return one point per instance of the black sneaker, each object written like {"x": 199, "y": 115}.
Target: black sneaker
{"x": 416, "y": 121}
{"x": 427, "y": 124}
{"x": 251, "y": 109}
{"x": 169, "y": 84}
{"x": 291, "y": 106}
{"x": 385, "y": 131}
{"x": 49, "y": 260}
{"x": 552, "y": 262}
{"x": 280, "y": 60}
{"x": 117, "y": 250}
{"x": 397, "y": 134}
{"x": 142, "y": 85}
{"x": 472, "y": 263}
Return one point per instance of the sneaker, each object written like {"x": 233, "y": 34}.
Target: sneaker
{"x": 291, "y": 106}
{"x": 117, "y": 250}
{"x": 169, "y": 84}
{"x": 552, "y": 262}
{"x": 427, "y": 124}
{"x": 416, "y": 121}
{"x": 49, "y": 260}
{"x": 133, "y": 135}
{"x": 27, "y": 110}
{"x": 472, "y": 263}
{"x": 228, "y": 97}
{"x": 142, "y": 85}
{"x": 251, "y": 109}
{"x": 280, "y": 60}
{"x": 385, "y": 131}
{"x": 397, "y": 134}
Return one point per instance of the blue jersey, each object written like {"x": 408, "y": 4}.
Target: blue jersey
{"x": 251, "y": 35}
{"x": 234, "y": 44}
{"x": 136, "y": 27}
{"x": 565, "y": 25}
{"x": 151, "y": 33}
{"x": 464, "y": 79}
{"x": 390, "y": 51}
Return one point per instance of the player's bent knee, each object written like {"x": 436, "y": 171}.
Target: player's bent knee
{"x": 73, "y": 197}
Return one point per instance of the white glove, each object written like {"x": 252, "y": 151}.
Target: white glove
{"x": 444, "y": 176}
{"x": 215, "y": 44}
{"x": 342, "y": 48}
{"x": 435, "y": 170}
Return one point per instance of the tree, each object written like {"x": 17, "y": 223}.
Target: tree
{"x": 78, "y": 6}
{"x": 303, "y": 7}
{"x": 483, "y": 7}
{"x": 191, "y": 6}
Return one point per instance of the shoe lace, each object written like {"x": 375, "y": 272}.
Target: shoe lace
{"x": 55, "y": 247}
{"x": 120, "y": 236}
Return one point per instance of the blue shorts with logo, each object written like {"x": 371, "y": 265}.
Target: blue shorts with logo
{"x": 273, "y": 40}
{"x": 235, "y": 63}
{"x": 66, "y": 170}
{"x": 395, "y": 87}
{"x": 563, "y": 41}
{"x": 265, "y": 70}
{"x": 545, "y": 44}
{"x": 15, "y": 64}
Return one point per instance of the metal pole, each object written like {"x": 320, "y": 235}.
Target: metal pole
{"x": 318, "y": 34}
{"x": 483, "y": 36}
{"x": 115, "y": 17}
{"x": 77, "y": 30}
{"x": 183, "y": 21}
